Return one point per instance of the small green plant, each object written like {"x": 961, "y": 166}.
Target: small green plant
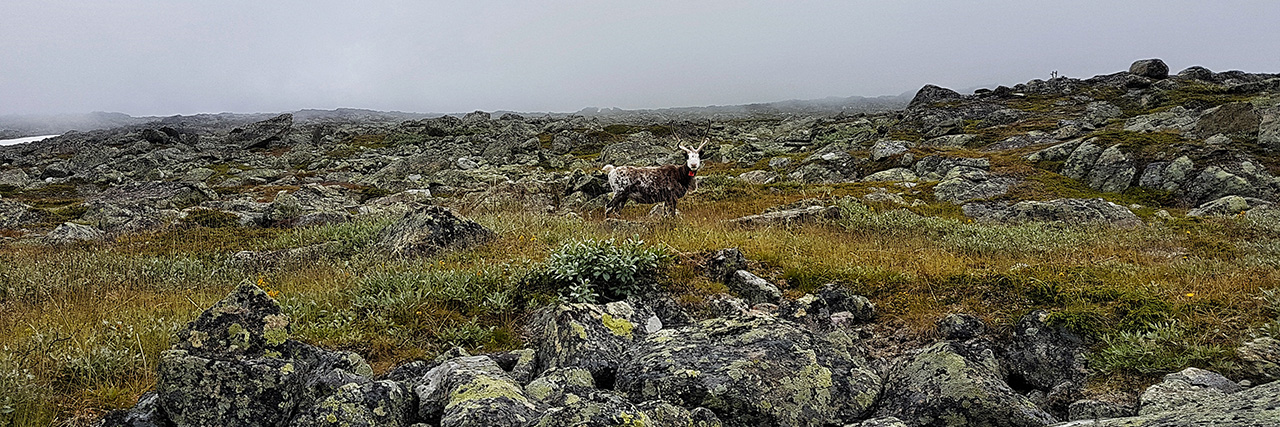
{"x": 211, "y": 218}
{"x": 1165, "y": 347}
{"x": 613, "y": 270}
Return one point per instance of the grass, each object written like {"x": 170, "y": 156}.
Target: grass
{"x": 81, "y": 327}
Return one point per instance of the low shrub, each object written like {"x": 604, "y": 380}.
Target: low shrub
{"x": 582, "y": 269}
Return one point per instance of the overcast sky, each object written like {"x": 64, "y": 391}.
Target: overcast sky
{"x": 188, "y": 56}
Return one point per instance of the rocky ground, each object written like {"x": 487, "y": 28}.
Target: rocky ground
{"x": 1123, "y": 150}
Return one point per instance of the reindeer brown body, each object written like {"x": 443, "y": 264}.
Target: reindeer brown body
{"x": 654, "y": 184}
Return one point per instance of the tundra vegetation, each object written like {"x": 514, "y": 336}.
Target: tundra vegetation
{"x": 82, "y": 324}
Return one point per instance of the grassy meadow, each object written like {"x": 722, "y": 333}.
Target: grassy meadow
{"x": 81, "y": 327}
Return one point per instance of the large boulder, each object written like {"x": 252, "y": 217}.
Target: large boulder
{"x": 1167, "y": 176}
{"x": 1213, "y": 183}
{"x": 1260, "y": 359}
{"x": 590, "y": 336}
{"x": 429, "y": 230}
{"x": 143, "y": 205}
{"x": 1046, "y": 356}
{"x": 70, "y": 232}
{"x": 1227, "y": 205}
{"x": 1150, "y": 68}
{"x": 1176, "y": 119}
{"x": 1073, "y": 211}
{"x": 1257, "y": 406}
{"x": 1112, "y": 172}
{"x": 1185, "y": 387}
{"x": 472, "y": 392}
{"x": 930, "y": 94}
{"x": 964, "y": 183}
{"x": 262, "y": 134}
{"x": 947, "y": 384}
{"x": 1230, "y": 119}
{"x": 752, "y": 371}
{"x": 1269, "y": 129}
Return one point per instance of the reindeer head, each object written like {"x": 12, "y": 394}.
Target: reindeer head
{"x": 693, "y": 156}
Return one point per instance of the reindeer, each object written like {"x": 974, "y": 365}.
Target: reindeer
{"x": 655, "y": 184}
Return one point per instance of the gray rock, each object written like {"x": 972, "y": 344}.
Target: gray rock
{"x": 1176, "y": 119}
{"x": 882, "y": 422}
{"x": 428, "y": 230}
{"x": 960, "y": 326}
{"x": 1195, "y": 72}
{"x": 930, "y": 94}
{"x": 146, "y": 413}
{"x": 15, "y": 178}
{"x": 594, "y": 408}
{"x": 949, "y": 385}
{"x": 830, "y": 307}
{"x": 1269, "y": 129}
{"x": 362, "y": 404}
{"x": 199, "y": 391}
{"x": 956, "y": 141}
{"x": 790, "y": 217}
{"x": 1046, "y": 356}
{"x": 589, "y": 336}
{"x": 888, "y": 148}
{"x": 892, "y": 175}
{"x": 1182, "y": 388}
{"x": 1150, "y": 68}
{"x": 1227, "y": 205}
{"x": 779, "y": 162}
{"x": 1260, "y": 359}
{"x": 142, "y": 205}
{"x": 1258, "y": 406}
{"x": 760, "y": 177}
{"x": 1081, "y": 161}
{"x": 262, "y": 134}
{"x": 664, "y": 414}
{"x": 1055, "y": 153}
{"x": 15, "y": 214}
{"x": 752, "y": 371}
{"x": 555, "y": 385}
{"x": 1230, "y": 118}
{"x": 472, "y": 392}
{"x": 70, "y": 232}
{"x": 247, "y": 323}
{"x": 1089, "y": 409}
{"x": 1167, "y": 176}
{"x": 1112, "y": 172}
{"x": 963, "y": 184}
{"x": 753, "y": 288}
{"x": 1213, "y": 183}
{"x": 1097, "y": 113}
{"x": 722, "y": 264}
{"x": 1073, "y": 211}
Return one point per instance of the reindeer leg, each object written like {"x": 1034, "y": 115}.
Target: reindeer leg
{"x": 616, "y": 203}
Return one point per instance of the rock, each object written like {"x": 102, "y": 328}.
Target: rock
{"x": 1260, "y": 359}
{"x": 1213, "y": 183}
{"x": 15, "y": 178}
{"x": 963, "y": 184}
{"x": 555, "y": 385}
{"x": 1167, "y": 176}
{"x": 247, "y": 323}
{"x": 1196, "y": 72}
{"x": 589, "y": 336}
{"x": 892, "y": 175}
{"x": 283, "y": 210}
{"x": 1217, "y": 140}
{"x": 760, "y": 177}
{"x": 752, "y": 288}
{"x": 1230, "y": 119}
{"x": 723, "y": 263}
{"x": 1269, "y": 129}
{"x": 1097, "y": 113}
{"x": 779, "y": 162}
{"x": 1257, "y": 406}
{"x": 520, "y": 365}
{"x": 1055, "y": 153}
{"x": 950, "y": 140}
{"x": 199, "y": 391}
{"x": 944, "y": 385}
{"x": 1112, "y": 172}
{"x": 1181, "y": 388}
{"x": 594, "y": 408}
{"x": 1150, "y": 68}
{"x": 960, "y": 327}
{"x": 428, "y": 230}
{"x": 146, "y": 413}
{"x": 367, "y": 404}
{"x": 930, "y": 94}
{"x": 1081, "y": 161}
{"x": 936, "y": 167}
{"x": 1176, "y": 119}
{"x": 790, "y": 217}
{"x": 472, "y": 392}
{"x": 1044, "y": 355}
{"x": 1021, "y": 141}
{"x": 17, "y": 214}
{"x": 665, "y": 414}
{"x": 752, "y": 371}
{"x": 70, "y": 232}
{"x": 882, "y": 422}
{"x": 142, "y": 205}
{"x": 831, "y": 308}
{"x": 1074, "y": 211}
{"x": 262, "y": 134}
{"x": 1227, "y": 205}
{"x": 888, "y": 148}
{"x": 1089, "y": 409}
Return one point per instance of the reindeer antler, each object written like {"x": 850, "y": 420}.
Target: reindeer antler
{"x": 679, "y": 142}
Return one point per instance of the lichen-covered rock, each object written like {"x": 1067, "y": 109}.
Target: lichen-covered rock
{"x": 960, "y": 326}
{"x": 555, "y": 385}
{"x": 367, "y": 404}
{"x": 17, "y": 214}
{"x": 1090, "y": 409}
{"x": 797, "y": 216}
{"x": 935, "y": 167}
{"x": 1097, "y": 113}
{"x": 146, "y": 413}
{"x": 892, "y": 175}
{"x": 753, "y": 288}
{"x": 429, "y": 230}
{"x": 590, "y": 336}
{"x": 1260, "y": 359}
{"x": 262, "y": 134}
{"x": 594, "y": 408}
{"x": 882, "y": 422}
{"x": 1167, "y": 176}
{"x": 1232, "y": 118}
{"x": 1227, "y": 205}
{"x": 1046, "y": 355}
{"x": 1112, "y": 172}
{"x": 829, "y": 305}
{"x": 942, "y": 385}
{"x": 1214, "y": 182}
{"x": 1185, "y": 387}
{"x": 472, "y": 392}
{"x": 198, "y": 391}
{"x": 247, "y": 323}
{"x": 963, "y": 183}
{"x": 1075, "y": 211}
{"x": 888, "y": 148}
{"x": 142, "y": 205}
{"x": 930, "y": 94}
{"x": 1269, "y": 129}
{"x": 752, "y": 371}
{"x": 1255, "y": 407}
{"x": 1177, "y": 119}
{"x": 70, "y": 232}
{"x": 664, "y": 414}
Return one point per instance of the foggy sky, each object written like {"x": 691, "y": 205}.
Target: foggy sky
{"x": 184, "y": 57}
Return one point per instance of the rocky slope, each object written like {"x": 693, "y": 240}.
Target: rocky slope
{"x": 1193, "y": 143}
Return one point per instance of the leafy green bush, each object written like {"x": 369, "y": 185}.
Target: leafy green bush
{"x": 612, "y": 270}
